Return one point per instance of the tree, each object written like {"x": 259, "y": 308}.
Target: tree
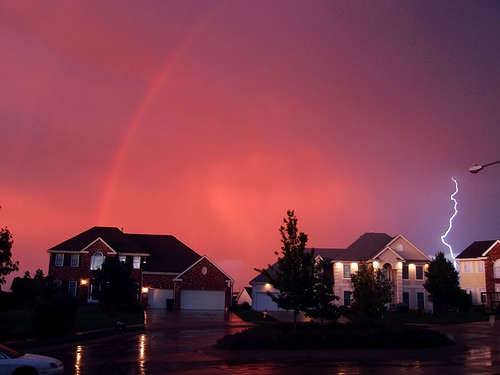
{"x": 113, "y": 284}
{"x": 27, "y": 290}
{"x": 322, "y": 305}
{"x": 442, "y": 283}
{"x": 293, "y": 274}
{"x": 6, "y": 264}
{"x": 371, "y": 290}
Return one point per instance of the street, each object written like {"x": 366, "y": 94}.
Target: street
{"x": 183, "y": 343}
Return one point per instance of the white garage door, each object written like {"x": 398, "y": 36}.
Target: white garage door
{"x": 264, "y": 302}
{"x": 157, "y": 298}
{"x": 202, "y": 300}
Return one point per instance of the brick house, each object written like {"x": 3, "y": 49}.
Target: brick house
{"x": 400, "y": 260}
{"x": 479, "y": 269}
{"x": 168, "y": 273}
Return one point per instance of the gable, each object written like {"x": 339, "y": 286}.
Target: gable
{"x": 202, "y": 267}
{"x": 99, "y": 245}
{"x": 406, "y": 250}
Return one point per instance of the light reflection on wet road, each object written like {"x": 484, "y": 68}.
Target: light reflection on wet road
{"x": 183, "y": 343}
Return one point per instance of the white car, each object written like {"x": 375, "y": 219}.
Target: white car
{"x": 13, "y": 362}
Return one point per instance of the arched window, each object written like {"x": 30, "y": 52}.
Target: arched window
{"x": 496, "y": 269}
{"x": 387, "y": 271}
{"x": 96, "y": 260}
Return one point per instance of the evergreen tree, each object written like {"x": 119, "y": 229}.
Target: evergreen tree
{"x": 293, "y": 274}
{"x": 442, "y": 283}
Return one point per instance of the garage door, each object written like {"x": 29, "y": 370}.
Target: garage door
{"x": 202, "y": 300}
{"x": 264, "y": 302}
{"x": 157, "y": 298}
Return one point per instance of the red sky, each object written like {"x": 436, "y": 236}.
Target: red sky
{"x": 207, "y": 120}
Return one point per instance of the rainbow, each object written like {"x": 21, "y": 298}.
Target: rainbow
{"x": 145, "y": 103}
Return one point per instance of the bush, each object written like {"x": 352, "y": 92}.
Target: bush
{"x": 7, "y": 301}
{"x": 402, "y": 308}
{"x": 55, "y": 315}
{"x": 312, "y": 336}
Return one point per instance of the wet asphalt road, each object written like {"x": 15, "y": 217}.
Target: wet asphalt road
{"x": 183, "y": 343}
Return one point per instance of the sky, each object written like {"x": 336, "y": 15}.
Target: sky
{"x": 208, "y": 120}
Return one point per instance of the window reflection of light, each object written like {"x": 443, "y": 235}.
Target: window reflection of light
{"x": 78, "y": 360}
{"x": 142, "y": 354}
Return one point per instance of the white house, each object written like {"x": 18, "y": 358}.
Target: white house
{"x": 400, "y": 260}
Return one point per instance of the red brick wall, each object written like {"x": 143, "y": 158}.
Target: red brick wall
{"x": 196, "y": 279}
{"x": 158, "y": 281}
{"x": 493, "y": 255}
{"x": 83, "y": 271}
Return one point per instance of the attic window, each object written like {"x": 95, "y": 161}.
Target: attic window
{"x": 204, "y": 270}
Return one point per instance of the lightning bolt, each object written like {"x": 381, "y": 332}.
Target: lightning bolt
{"x": 455, "y": 203}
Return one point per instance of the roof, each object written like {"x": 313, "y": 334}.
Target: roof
{"x": 328, "y": 255}
{"x": 165, "y": 252}
{"x": 476, "y": 249}
{"x": 114, "y": 237}
{"x": 365, "y": 247}
{"x": 168, "y": 254}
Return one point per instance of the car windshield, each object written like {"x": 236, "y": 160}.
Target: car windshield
{"x": 10, "y": 352}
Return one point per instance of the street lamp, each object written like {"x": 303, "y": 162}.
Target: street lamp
{"x": 478, "y": 168}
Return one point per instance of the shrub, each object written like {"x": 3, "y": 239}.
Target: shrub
{"x": 55, "y": 315}
{"x": 312, "y": 336}
{"x": 402, "y": 308}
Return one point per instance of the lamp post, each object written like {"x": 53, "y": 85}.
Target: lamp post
{"x": 478, "y": 168}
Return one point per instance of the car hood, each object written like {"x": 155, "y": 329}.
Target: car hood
{"x": 28, "y": 357}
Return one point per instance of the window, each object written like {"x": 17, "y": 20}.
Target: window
{"x": 347, "y": 298}
{"x": 136, "y": 263}
{"x": 406, "y": 274}
{"x": 420, "y": 300}
{"x": 347, "y": 271}
{"x": 59, "y": 260}
{"x": 122, "y": 258}
{"x": 467, "y": 267}
{"x": 387, "y": 271}
{"x": 419, "y": 272}
{"x": 58, "y": 284}
{"x": 75, "y": 260}
{"x": 496, "y": 269}
{"x": 96, "y": 260}
{"x": 406, "y": 298}
{"x": 480, "y": 266}
{"x": 72, "y": 288}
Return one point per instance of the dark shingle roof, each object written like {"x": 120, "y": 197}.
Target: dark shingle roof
{"x": 114, "y": 237}
{"x": 166, "y": 253}
{"x": 476, "y": 249}
{"x": 366, "y": 246}
{"x": 328, "y": 254}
